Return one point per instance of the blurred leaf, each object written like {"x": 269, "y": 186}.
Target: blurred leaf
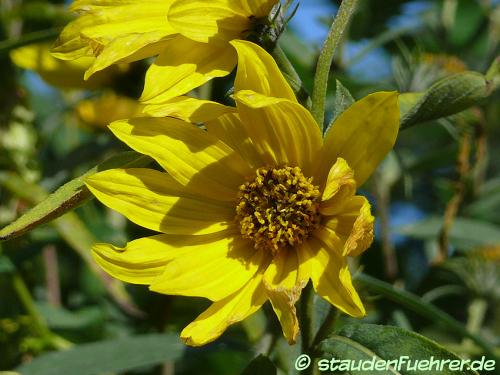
{"x": 421, "y": 307}
{"x": 260, "y": 365}
{"x": 6, "y": 265}
{"x": 107, "y": 356}
{"x": 446, "y": 97}
{"x": 60, "y": 318}
{"x": 366, "y": 341}
{"x": 67, "y": 197}
{"x": 465, "y": 233}
{"x": 468, "y": 18}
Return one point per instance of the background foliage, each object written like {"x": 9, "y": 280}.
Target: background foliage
{"x": 433, "y": 269}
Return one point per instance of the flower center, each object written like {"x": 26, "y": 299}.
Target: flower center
{"x": 279, "y": 208}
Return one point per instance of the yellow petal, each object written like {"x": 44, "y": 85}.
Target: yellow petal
{"x": 56, "y": 72}
{"x": 156, "y": 201}
{"x": 331, "y": 277}
{"x": 69, "y": 45}
{"x": 183, "y": 66}
{"x": 188, "y": 109}
{"x": 140, "y": 262}
{"x": 213, "y": 270}
{"x": 230, "y": 130}
{"x": 209, "y": 21}
{"x": 257, "y": 8}
{"x": 101, "y": 23}
{"x": 340, "y": 186}
{"x": 355, "y": 223}
{"x": 362, "y": 135}
{"x": 127, "y": 49}
{"x": 257, "y": 71}
{"x": 284, "y": 132}
{"x": 213, "y": 322}
{"x": 284, "y": 283}
{"x": 190, "y": 155}
{"x": 125, "y": 18}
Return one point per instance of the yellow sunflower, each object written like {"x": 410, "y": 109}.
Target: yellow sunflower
{"x": 253, "y": 207}
{"x": 190, "y": 37}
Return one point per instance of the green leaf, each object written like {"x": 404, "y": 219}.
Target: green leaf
{"x": 260, "y": 365}
{"x": 107, "y": 356}
{"x": 66, "y": 198}
{"x": 446, "y": 97}
{"x": 343, "y": 100}
{"x": 465, "y": 233}
{"x": 59, "y": 318}
{"x": 366, "y": 341}
{"x": 421, "y": 307}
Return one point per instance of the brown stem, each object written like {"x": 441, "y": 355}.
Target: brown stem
{"x": 52, "y": 275}
{"x": 383, "y": 197}
{"x": 463, "y": 169}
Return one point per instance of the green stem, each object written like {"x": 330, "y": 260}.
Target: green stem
{"x": 27, "y": 302}
{"x": 35, "y": 37}
{"x": 291, "y": 76}
{"x": 346, "y": 10}
{"x": 40, "y": 325}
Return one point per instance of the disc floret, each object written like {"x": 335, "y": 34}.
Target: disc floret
{"x": 278, "y": 208}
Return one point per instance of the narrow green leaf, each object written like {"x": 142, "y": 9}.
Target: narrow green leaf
{"x": 66, "y": 198}
{"x": 260, "y": 365}
{"x": 421, "y": 307}
{"x": 343, "y": 100}
{"x": 367, "y": 341}
{"x": 448, "y": 96}
{"x": 107, "y": 356}
{"x": 465, "y": 233}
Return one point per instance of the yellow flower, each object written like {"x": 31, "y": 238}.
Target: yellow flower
{"x": 63, "y": 74}
{"x": 99, "y": 112}
{"x": 252, "y": 208}
{"x": 190, "y": 38}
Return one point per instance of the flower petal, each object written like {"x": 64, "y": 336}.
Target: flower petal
{"x": 340, "y": 185}
{"x": 362, "y": 135}
{"x": 142, "y": 261}
{"x": 69, "y": 45}
{"x": 120, "y": 19}
{"x": 184, "y": 65}
{"x": 193, "y": 157}
{"x": 257, "y": 71}
{"x": 331, "y": 277}
{"x": 188, "y": 109}
{"x": 354, "y": 225}
{"x": 283, "y": 284}
{"x": 230, "y": 130}
{"x": 213, "y": 270}
{"x": 257, "y": 8}
{"x": 139, "y": 262}
{"x": 213, "y": 322}
{"x": 127, "y": 49}
{"x": 284, "y": 132}
{"x": 156, "y": 201}
{"x": 209, "y": 21}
